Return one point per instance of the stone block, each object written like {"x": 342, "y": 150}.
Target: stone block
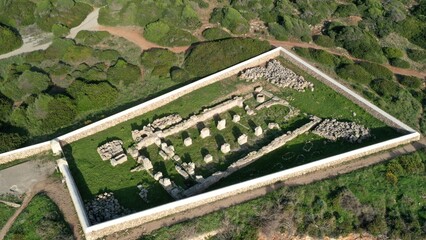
{"x": 55, "y": 145}
{"x": 208, "y": 158}
{"x": 163, "y": 155}
{"x": 236, "y": 118}
{"x": 260, "y": 98}
{"x": 205, "y": 132}
{"x": 250, "y": 112}
{"x": 147, "y": 164}
{"x": 221, "y": 124}
{"x": 225, "y": 148}
{"x": 242, "y": 139}
{"x": 273, "y": 126}
{"x": 258, "y": 89}
{"x": 187, "y": 142}
{"x": 158, "y": 176}
{"x": 118, "y": 159}
{"x": 176, "y": 158}
{"x": 181, "y": 172}
{"x": 258, "y": 131}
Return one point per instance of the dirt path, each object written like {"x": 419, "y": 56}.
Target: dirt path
{"x": 56, "y": 191}
{"x": 305, "y": 179}
{"x": 135, "y": 35}
{"x": 401, "y": 71}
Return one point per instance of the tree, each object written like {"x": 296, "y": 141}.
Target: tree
{"x": 89, "y": 96}
{"x": 9, "y": 39}
{"x": 28, "y": 83}
{"x": 123, "y": 73}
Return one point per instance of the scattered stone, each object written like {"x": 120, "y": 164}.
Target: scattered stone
{"x": 205, "y": 132}
{"x": 208, "y": 158}
{"x": 189, "y": 168}
{"x": 260, "y": 98}
{"x": 143, "y": 193}
{"x": 181, "y": 172}
{"x": 199, "y": 178}
{"x": 104, "y": 207}
{"x": 113, "y": 151}
{"x": 133, "y": 152}
{"x": 258, "y": 131}
{"x": 273, "y": 126}
{"x": 250, "y": 112}
{"x": 176, "y": 158}
{"x": 258, "y": 89}
{"x": 165, "y": 182}
{"x": 137, "y": 169}
{"x": 187, "y": 142}
{"x": 242, "y": 139}
{"x": 236, "y": 118}
{"x": 163, "y": 155}
{"x": 349, "y": 131}
{"x": 221, "y": 124}
{"x": 225, "y": 148}
{"x": 158, "y": 176}
{"x": 278, "y": 75}
{"x": 165, "y": 122}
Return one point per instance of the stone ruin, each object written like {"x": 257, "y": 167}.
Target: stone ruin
{"x": 113, "y": 151}
{"x": 258, "y": 131}
{"x": 187, "y": 142}
{"x": 348, "y": 131}
{"x": 205, "y": 132}
{"x": 221, "y": 124}
{"x": 278, "y": 75}
{"x": 236, "y": 118}
{"x": 208, "y": 158}
{"x": 225, "y": 148}
{"x": 242, "y": 139}
{"x": 103, "y": 208}
{"x": 167, "y": 121}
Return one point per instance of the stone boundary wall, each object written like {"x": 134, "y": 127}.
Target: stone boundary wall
{"x": 348, "y": 93}
{"x": 24, "y": 152}
{"x": 139, "y": 218}
{"x": 140, "y": 109}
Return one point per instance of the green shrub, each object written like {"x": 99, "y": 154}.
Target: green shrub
{"x": 5, "y": 108}
{"x": 10, "y": 140}
{"x": 123, "y": 73}
{"x": 28, "y": 83}
{"x": 161, "y": 33}
{"x": 161, "y": 71}
{"x": 306, "y": 38}
{"x": 303, "y": 52}
{"x": 210, "y": 57}
{"x": 91, "y": 38}
{"x": 50, "y": 113}
{"x": 385, "y": 87}
{"x": 346, "y": 10}
{"x": 416, "y": 55}
{"x": 397, "y": 62}
{"x": 410, "y": 81}
{"x": 324, "y": 41}
{"x": 354, "y": 73}
{"x": 179, "y": 75}
{"x": 76, "y": 54}
{"x": 231, "y": 19}
{"x": 295, "y": 27}
{"x": 278, "y": 31}
{"x": 9, "y": 39}
{"x": 65, "y": 12}
{"x": 377, "y": 70}
{"x": 17, "y": 13}
{"x": 215, "y": 33}
{"x": 158, "y": 56}
{"x": 92, "y": 96}
{"x": 392, "y": 52}
{"x": 412, "y": 163}
{"x": 60, "y": 30}
{"x": 108, "y": 56}
{"x": 324, "y": 57}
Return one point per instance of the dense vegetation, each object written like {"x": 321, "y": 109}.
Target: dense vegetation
{"x": 402, "y": 96}
{"x": 41, "y": 219}
{"x": 75, "y": 82}
{"x": 383, "y": 200}
{"x": 9, "y": 39}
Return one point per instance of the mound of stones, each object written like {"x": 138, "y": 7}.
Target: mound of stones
{"x": 277, "y": 74}
{"x": 113, "y": 151}
{"x": 103, "y": 208}
{"x": 167, "y": 121}
{"x": 349, "y": 131}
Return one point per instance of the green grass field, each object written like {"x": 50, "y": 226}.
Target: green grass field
{"x": 5, "y": 213}
{"x": 94, "y": 176}
{"x": 360, "y": 201}
{"x": 40, "y": 220}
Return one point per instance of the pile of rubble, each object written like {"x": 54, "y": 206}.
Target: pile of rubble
{"x": 349, "y": 131}
{"x": 103, "y": 208}
{"x": 167, "y": 121}
{"x": 277, "y": 74}
{"x": 113, "y": 151}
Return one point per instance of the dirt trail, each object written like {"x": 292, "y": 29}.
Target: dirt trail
{"x": 301, "y": 180}
{"x": 401, "y": 71}
{"x": 135, "y": 35}
{"x": 56, "y": 191}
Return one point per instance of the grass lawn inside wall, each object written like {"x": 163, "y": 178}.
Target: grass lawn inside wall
{"x": 94, "y": 176}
